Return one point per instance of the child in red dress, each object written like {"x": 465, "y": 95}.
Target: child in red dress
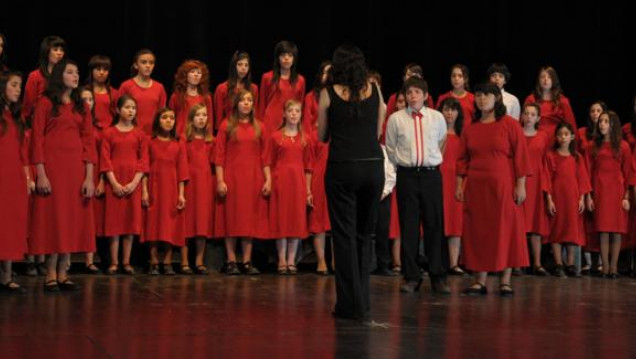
{"x": 239, "y": 77}
{"x": 191, "y": 87}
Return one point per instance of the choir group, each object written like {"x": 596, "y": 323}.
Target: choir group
{"x": 85, "y": 161}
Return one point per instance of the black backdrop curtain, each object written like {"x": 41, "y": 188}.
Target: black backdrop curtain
{"x": 590, "y": 45}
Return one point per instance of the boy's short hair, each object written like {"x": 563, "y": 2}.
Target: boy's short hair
{"x": 415, "y": 82}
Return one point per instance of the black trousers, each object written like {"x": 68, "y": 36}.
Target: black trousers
{"x": 419, "y": 198}
{"x": 353, "y": 195}
{"x": 382, "y": 226}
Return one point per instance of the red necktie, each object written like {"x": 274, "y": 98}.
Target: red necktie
{"x": 416, "y": 115}
{"x": 419, "y": 138}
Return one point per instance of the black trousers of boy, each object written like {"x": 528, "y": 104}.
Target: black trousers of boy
{"x": 353, "y": 191}
{"x": 419, "y": 198}
{"x": 382, "y": 226}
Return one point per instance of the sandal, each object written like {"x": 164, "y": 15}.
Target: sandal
{"x": 112, "y": 269}
{"x": 92, "y": 269}
{"x": 282, "y": 270}
{"x": 128, "y": 269}
{"x": 475, "y": 290}
{"x": 51, "y": 286}
{"x": 12, "y": 288}
{"x": 185, "y": 269}
{"x": 202, "y": 270}
{"x": 292, "y": 269}
{"x": 397, "y": 269}
{"x": 506, "y": 291}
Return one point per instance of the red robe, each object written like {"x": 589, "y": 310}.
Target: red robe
{"x": 201, "y": 189}
{"x": 492, "y": 156}
{"x": 534, "y": 207}
{"x": 62, "y": 221}
{"x": 565, "y": 178}
{"x": 243, "y": 212}
{"x": 33, "y": 90}
{"x": 149, "y": 101}
{"x": 610, "y": 176}
{"x": 106, "y": 107}
{"x": 467, "y": 102}
{"x": 223, "y": 102}
{"x": 168, "y": 167}
{"x": 124, "y": 153}
{"x": 552, "y": 115}
{"x": 273, "y": 97}
{"x": 290, "y": 160}
{"x": 453, "y": 209}
{"x": 13, "y": 192}
{"x": 182, "y": 110}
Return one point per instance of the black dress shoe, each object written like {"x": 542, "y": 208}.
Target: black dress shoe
{"x": 506, "y": 291}
{"x": 385, "y": 272}
{"x": 67, "y": 286}
{"x": 12, "y": 288}
{"x": 439, "y": 285}
{"x": 475, "y": 290}
{"x": 51, "y": 286}
{"x": 411, "y": 286}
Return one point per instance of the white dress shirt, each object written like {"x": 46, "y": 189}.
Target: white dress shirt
{"x": 415, "y": 141}
{"x": 389, "y": 174}
{"x": 512, "y": 104}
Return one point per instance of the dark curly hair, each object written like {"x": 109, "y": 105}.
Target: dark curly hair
{"x": 348, "y": 68}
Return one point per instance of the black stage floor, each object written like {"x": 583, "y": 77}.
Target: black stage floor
{"x": 272, "y": 317}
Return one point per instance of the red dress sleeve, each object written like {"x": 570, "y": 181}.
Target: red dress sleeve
{"x": 547, "y": 173}
{"x": 265, "y": 143}
{"x": 163, "y": 97}
{"x": 40, "y": 117}
{"x": 182, "y": 163}
{"x": 585, "y": 186}
{"x": 308, "y": 155}
{"x": 31, "y": 93}
{"x": 568, "y": 114}
{"x": 105, "y": 162}
{"x": 173, "y": 103}
{"x": 519, "y": 149}
{"x": 88, "y": 137}
{"x": 626, "y": 162}
{"x": 463, "y": 157}
{"x": 209, "y": 106}
{"x": 220, "y": 96}
{"x": 255, "y": 92}
{"x": 143, "y": 156}
{"x": 220, "y": 147}
{"x": 266, "y": 84}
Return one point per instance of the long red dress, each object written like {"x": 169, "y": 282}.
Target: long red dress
{"x": 565, "y": 178}
{"x": 319, "y": 215}
{"x": 99, "y": 203}
{"x": 610, "y": 175}
{"x": 629, "y": 240}
{"x": 149, "y": 101}
{"x": 534, "y": 207}
{"x": 467, "y": 102}
{"x": 243, "y": 212}
{"x": 223, "y": 102}
{"x": 168, "y": 167}
{"x": 182, "y": 108}
{"x": 125, "y": 154}
{"x": 290, "y": 160}
{"x": 13, "y": 192}
{"x": 201, "y": 189}
{"x": 273, "y": 98}
{"x": 592, "y": 243}
{"x": 492, "y": 156}
{"x": 105, "y": 107}
{"x": 453, "y": 209}
{"x": 33, "y": 90}
{"x": 62, "y": 221}
{"x": 552, "y": 115}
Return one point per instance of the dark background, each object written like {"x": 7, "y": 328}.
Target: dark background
{"x": 589, "y": 44}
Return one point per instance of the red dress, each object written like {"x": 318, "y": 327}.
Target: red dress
{"x": 534, "y": 207}
{"x": 630, "y": 240}
{"x": 467, "y": 102}
{"x": 584, "y": 147}
{"x": 610, "y": 175}
{"x": 243, "y": 212}
{"x": 565, "y": 179}
{"x": 168, "y": 167}
{"x": 628, "y": 135}
{"x": 98, "y": 202}
{"x": 223, "y": 102}
{"x": 492, "y": 156}
{"x": 13, "y": 193}
{"x": 453, "y": 209}
{"x": 105, "y": 107}
{"x": 125, "y": 154}
{"x": 33, "y": 90}
{"x": 290, "y": 160}
{"x": 319, "y": 215}
{"x": 273, "y": 98}
{"x": 201, "y": 189}
{"x": 62, "y": 221}
{"x": 182, "y": 109}
{"x": 149, "y": 101}
{"x": 394, "y": 218}
{"x": 552, "y": 115}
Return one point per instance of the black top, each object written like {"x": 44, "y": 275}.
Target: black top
{"x": 353, "y": 128}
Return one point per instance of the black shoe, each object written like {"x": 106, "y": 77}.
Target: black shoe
{"x": 51, "y": 286}
{"x": 439, "y": 285}
{"x": 559, "y": 271}
{"x": 12, "y": 288}
{"x": 506, "y": 291}
{"x": 540, "y": 272}
{"x": 456, "y": 270}
{"x": 154, "y": 269}
{"x": 168, "y": 270}
{"x": 586, "y": 270}
{"x": 411, "y": 286}
{"x": 517, "y": 272}
{"x": 41, "y": 268}
{"x": 201, "y": 270}
{"x": 31, "y": 271}
{"x": 67, "y": 286}
{"x": 571, "y": 271}
{"x": 186, "y": 270}
{"x": 249, "y": 269}
{"x": 613, "y": 275}
{"x": 384, "y": 272}
{"x": 127, "y": 269}
{"x": 232, "y": 269}
{"x": 475, "y": 290}
{"x": 92, "y": 269}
